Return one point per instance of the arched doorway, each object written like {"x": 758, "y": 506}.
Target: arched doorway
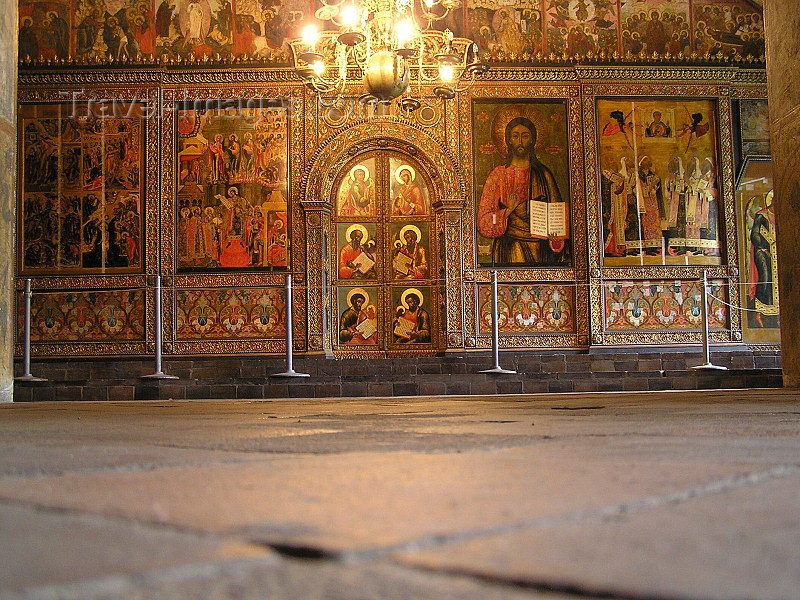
{"x": 384, "y": 251}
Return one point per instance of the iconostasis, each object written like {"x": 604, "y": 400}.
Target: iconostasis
{"x": 600, "y": 204}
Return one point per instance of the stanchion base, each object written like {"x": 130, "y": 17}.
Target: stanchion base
{"x": 709, "y": 367}
{"x": 159, "y": 375}
{"x": 32, "y": 378}
{"x": 499, "y": 371}
{"x": 291, "y": 373}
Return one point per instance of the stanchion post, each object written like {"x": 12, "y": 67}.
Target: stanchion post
{"x": 496, "y": 332}
{"x": 159, "y": 374}
{"x": 26, "y": 344}
{"x": 289, "y": 372}
{"x": 707, "y": 365}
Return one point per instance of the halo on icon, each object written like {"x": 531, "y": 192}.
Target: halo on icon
{"x": 359, "y": 227}
{"x": 359, "y": 168}
{"x": 361, "y": 291}
{"x": 413, "y": 228}
{"x": 402, "y": 168}
{"x": 408, "y": 291}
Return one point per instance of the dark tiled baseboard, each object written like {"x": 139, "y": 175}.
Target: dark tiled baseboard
{"x": 250, "y": 377}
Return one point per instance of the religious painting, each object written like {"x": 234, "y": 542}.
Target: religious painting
{"x": 194, "y": 28}
{"x": 650, "y": 26}
{"x": 754, "y": 124}
{"x": 522, "y": 183}
{"x": 43, "y": 30}
{"x": 408, "y": 190}
{"x": 578, "y": 27}
{"x": 96, "y": 316}
{"x": 358, "y": 316}
{"x": 230, "y": 314}
{"x": 81, "y": 188}
{"x": 263, "y": 29}
{"x": 660, "y": 194}
{"x": 511, "y": 31}
{"x": 411, "y": 320}
{"x": 410, "y": 250}
{"x": 357, "y": 251}
{"x": 663, "y": 305}
{"x": 528, "y": 308}
{"x": 232, "y": 189}
{"x": 357, "y": 195}
{"x": 727, "y": 27}
{"x": 120, "y": 29}
{"x": 758, "y": 252}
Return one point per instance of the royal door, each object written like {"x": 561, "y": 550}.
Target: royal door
{"x": 383, "y": 252}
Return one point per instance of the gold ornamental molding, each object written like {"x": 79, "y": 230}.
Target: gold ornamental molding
{"x": 187, "y": 93}
{"x": 648, "y": 73}
{"x": 528, "y": 74}
{"x": 105, "y": 283}
{"x": 665, "y": 338}
{"x": 87, "y": 77}
{"x": 157, "y": 75}
{"x": 637, "y": 87}
{"x": 86, "y": 349}
{"x": 230, "y": 76}
{"x": 230, "y": 347}
{"x": 146, "y": 96}
{"x": 752, "y": 76}
{"x": 534, "y": 341}
{"x": 554, "y": 275}
{"x": 207, "y": 281}
{"x": 763, "y": 347}
{"x": 749, "y": 91}
{"x": 668, "y": 273}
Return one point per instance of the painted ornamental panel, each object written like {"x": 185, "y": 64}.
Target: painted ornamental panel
{"x": 231, "y": 314}
{"x": 86, "y": 316}
{"x": 663, "y": 305}
{"x": 528, "y": 308}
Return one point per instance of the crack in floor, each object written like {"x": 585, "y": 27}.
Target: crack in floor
{"x": 731, "y": 483}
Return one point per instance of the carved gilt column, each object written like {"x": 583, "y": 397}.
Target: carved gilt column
{"x": 452, "y": 271}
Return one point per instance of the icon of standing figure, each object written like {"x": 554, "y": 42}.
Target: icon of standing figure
{"x": 408, "y": 196}
{"x": 510, "y": 193}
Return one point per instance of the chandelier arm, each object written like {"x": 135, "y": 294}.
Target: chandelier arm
{"x": 431, "y": 16}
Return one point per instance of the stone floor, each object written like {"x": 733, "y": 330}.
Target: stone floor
{"x": 658, "y": 495}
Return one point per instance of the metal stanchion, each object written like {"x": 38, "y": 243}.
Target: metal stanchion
{"x": 159, "y": 374}
{"x": 26, "y": 346}
{"x": 289, "y": 372}
{"x": 496, "y": 332}
{"x": 706, "y": 350}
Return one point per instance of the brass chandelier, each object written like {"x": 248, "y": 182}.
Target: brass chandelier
{"x": 390, "y": 45}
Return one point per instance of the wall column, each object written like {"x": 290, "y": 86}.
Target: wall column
{"x": 451, "y": 270}
{"x": 782, "y": 24}
{"x": 318, "y": 317}
{"x": 8, "y": 195}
